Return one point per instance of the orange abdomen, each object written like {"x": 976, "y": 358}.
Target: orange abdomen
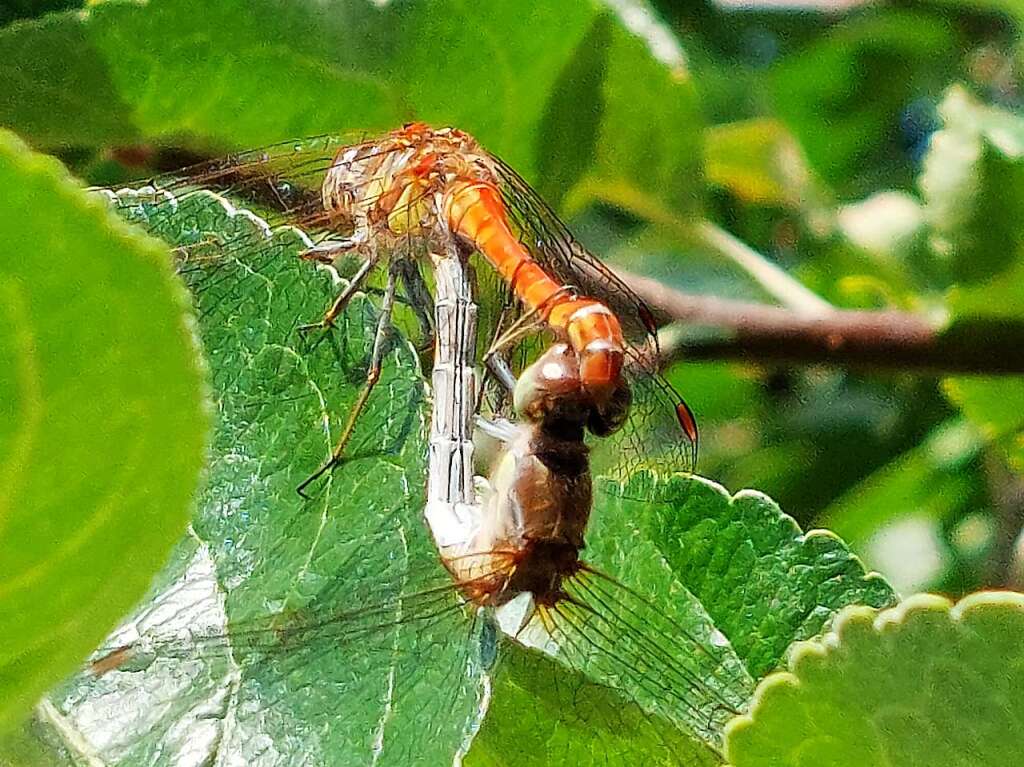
{"x": 475, "y": 210}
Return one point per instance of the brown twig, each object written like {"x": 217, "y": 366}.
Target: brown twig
{"x": 718, "y": 328}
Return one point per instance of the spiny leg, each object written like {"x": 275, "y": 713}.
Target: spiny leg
{"x": 372, "y": 376}
{"x": 530, "y": 322}
{"x": 344, "y": 297}
{"x": 527, "y": 323}
{"x": 499, "y": 368}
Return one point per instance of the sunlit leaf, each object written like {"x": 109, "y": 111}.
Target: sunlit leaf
{"x": 924, "y": 683}
{"x": 258, "y": 550}
{"x": 102, "y": 428}
{"x": 259, "y": 72}
{"x": 762, "y": 580}
{"x": 543, "y": 714}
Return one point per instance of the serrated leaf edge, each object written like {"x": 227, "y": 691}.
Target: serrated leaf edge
{"x": 880, "y": 621}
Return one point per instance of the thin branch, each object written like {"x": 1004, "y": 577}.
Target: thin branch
{"x": 776, "y": 282}
{"x": 718, "y": 328}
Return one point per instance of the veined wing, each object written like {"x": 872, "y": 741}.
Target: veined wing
{"x": 285, "y": 181}
{"x": 555, "y": 248}
{"x": 315, "y": 656}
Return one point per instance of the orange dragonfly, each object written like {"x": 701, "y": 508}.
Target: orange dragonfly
{"x": 326, "y": 630}
{"x": 398, "y": 196}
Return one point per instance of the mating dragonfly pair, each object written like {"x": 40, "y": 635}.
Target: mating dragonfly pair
{"x": 413, "y": 197}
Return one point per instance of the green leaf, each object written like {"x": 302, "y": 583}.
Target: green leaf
{"x": 760, "y": 162}
{"x": 131, "y": 61}
{"x": 572, "y": 119}
{"x": 931, "y": 479}
{"x": 488, "y": 68}
{"x": 543, "y": 714}
{"x": 763, "y": 582}
{"x": 257, "y": 545}
{"x": 25, "y": 9}
{"x": 843, "y": 94}
{"x": 924, "y": 683}
{"x": 102, "y": 433}
{"x": 1010, "y": 7}
{"x": 973, "y": 183}
{"x": 648, "y": 156}
{"x": 973, "y": 186}
{"x": 994, "y": 403}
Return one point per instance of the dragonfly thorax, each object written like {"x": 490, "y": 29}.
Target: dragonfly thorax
{"x": 394, "y": 187}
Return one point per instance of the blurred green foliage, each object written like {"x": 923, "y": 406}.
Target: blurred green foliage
{"x": 871, "y": 153}
{"x": 876, "y": 155}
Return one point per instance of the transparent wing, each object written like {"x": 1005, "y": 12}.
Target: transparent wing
{"x": 283, "y": 182}
{"x": 666, "y": 657}
{"x": 552, "y": 245}
{"x": 320, "y": 685}
{"x": 319, "y": 631}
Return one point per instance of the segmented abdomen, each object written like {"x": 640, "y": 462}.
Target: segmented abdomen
{"x": 474, "y": 210}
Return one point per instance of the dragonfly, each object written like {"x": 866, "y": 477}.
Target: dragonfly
{"x": 393, "y": 198}
{"x": 363, "y": 610}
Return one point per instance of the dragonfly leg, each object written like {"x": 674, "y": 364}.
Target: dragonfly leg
{"x": 418, "y": 298}
{"x": 498, "y": 367}
{"x": 500, "y": 429}
{"x": 530, "y": 322}
{"x": 372, "y": 377}
{"x": 496, "y": 364}
{"x": 343, "y": 298}
{"x": 328, "y": 251}
{"x": 523, "y": 326}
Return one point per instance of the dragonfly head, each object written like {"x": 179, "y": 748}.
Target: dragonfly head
{"x": 551, "y": 394}
{"x": 549, "y": 391}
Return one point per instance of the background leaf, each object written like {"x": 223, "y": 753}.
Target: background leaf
{"x": 974, "y": 184}
{"x": 925, "y": 683}
{"x": 763, "y": 582}
{"x": 262, "y": 72}
{"x": 844, "y": 93}
{"x": 102, "y": 436}
{"x": 759, "y": 161}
